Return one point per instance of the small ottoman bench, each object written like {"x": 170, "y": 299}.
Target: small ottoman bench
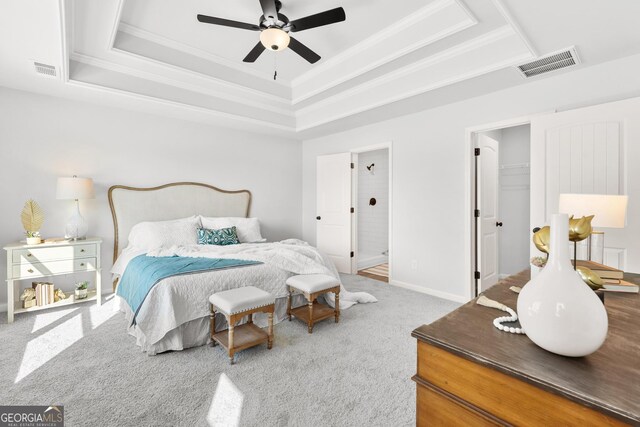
{"x": 312, "y": 286}
{"x": 235, "y": 304}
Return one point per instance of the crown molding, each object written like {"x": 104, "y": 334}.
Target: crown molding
{"x": 135, "y": 72}
{"x": 174, "y": 44}
{"x": 373, "y": 85}
{"x": 116, "y": 24}
{"x": 208, "y": 93}
{"x": 64, "y": 40}
{"x": 506, "y": 15}
{"x": 484, "y": 39}
{"x": 264, "y": 96}
{"x": 382, "y": 35}
{"x": 478, "y": 72}
{"x": 289, "y": 131}
{"x": 373, "y": 44}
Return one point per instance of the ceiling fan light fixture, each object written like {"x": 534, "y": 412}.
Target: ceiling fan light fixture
{"x": 274, "y": 39}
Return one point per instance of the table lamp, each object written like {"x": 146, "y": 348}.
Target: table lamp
{"x": 609, "y": 211}
{"x": 75, "y": 188}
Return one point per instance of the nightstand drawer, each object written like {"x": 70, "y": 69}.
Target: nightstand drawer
{"x": 38, "y": 269}
{"x": 50, "y": 253}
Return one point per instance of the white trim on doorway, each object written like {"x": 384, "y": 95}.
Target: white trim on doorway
{"x": 469, "y": 168}
{"x": 389, "y": 146}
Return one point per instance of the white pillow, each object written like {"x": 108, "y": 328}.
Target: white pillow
{"x": 248, "y": 229}
{"x": 157, "y": 234}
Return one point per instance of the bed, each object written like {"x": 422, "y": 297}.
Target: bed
{"x": 174, "y": 315}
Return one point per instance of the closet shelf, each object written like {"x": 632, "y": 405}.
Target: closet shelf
{"x": 515, "y": 166}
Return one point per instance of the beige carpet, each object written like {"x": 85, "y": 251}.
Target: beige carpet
{"x": 357, "y": 372}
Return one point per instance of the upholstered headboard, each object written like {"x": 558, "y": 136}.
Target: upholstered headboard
{"x": 130, "y": 205}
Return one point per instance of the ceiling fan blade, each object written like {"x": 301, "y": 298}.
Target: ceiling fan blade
{"x": 269, "y": 9}
{"x": 227, "y": 23}
{"x": 255, "y": 53}
{"x": 319, "y": 19}
{"x": 303, "y": 51}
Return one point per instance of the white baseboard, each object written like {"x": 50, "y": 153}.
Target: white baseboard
{"x": 428, "y": 291}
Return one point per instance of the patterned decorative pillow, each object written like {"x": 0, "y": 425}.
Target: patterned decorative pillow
{"x": 221, "y": 237}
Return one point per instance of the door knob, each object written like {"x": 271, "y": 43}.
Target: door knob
{"x": 498, "y": 224}
{"x": 318, "y": 218}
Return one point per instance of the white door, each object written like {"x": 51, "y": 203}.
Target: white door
{"x": 333, "y": 229}
{"x": 488, "y": 205}
{"x": 591, "y": 150}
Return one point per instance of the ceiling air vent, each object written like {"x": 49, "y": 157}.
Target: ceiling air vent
{"x": 44, "y": 69}
{"x": 556, "y": 61}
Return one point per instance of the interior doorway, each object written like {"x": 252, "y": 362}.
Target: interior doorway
{"x": 501, "y": 211}
{"x": 354, "y": 210}
{"x": 372, "y": 201}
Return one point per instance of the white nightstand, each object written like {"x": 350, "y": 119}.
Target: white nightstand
{"x": 51, "y": 259}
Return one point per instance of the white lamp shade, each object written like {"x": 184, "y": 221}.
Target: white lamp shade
{"x": 610, "y": 210}
{"x": 75, "y": 188}
{"x": 274, "y": 39}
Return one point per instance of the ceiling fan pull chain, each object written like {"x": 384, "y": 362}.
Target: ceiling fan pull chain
{"x": 275, "y": 66}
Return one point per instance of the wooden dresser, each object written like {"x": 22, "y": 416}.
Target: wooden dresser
{"x": 470, "y": 373}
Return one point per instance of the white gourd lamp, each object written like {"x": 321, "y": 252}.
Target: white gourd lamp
{"x": 77, "y": 189}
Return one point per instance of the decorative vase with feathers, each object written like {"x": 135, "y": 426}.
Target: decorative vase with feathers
{"x": 558, "y": 311}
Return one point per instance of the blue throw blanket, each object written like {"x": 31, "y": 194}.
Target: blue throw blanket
{"x": 144, "y": 272}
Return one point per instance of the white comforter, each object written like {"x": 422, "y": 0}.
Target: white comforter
{"x": 177, "y": 300}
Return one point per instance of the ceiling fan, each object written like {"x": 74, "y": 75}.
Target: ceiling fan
{"x": 275, "y": 27}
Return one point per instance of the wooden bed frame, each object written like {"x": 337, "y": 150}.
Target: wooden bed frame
{"x": 131, "y": 205}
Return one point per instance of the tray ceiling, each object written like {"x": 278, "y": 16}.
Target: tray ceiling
{"x": 155, "y": 53}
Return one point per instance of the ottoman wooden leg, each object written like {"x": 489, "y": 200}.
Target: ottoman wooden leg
{"x": 231, "y": 351}
{"x": 212, "y": 324}
{"x": 270, "y": 331}
{"x": 310, "y": 321}
{"x": 289, "y": 303}
{"x": 337, "y": 307}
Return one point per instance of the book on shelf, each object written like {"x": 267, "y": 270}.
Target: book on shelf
{"x": 38, "y": 289}
{"x": 623, "y": 286}
{"x": 604, "y": 271}
{"x": 44, "y": 292}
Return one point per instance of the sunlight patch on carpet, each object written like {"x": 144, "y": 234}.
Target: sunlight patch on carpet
{"x": 226, "y": 405}
{"x": 101, "y": 314}
{"x": 46, "y": 319}
{"x": 45, "y": 347}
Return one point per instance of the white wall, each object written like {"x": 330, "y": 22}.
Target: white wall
{"x": 591, "y": 150}
{"x": 42, "y": 138}
{"x": 513, "y": 200}
{"x": 373, "y": 221}
{"x": 429, "y": 217}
